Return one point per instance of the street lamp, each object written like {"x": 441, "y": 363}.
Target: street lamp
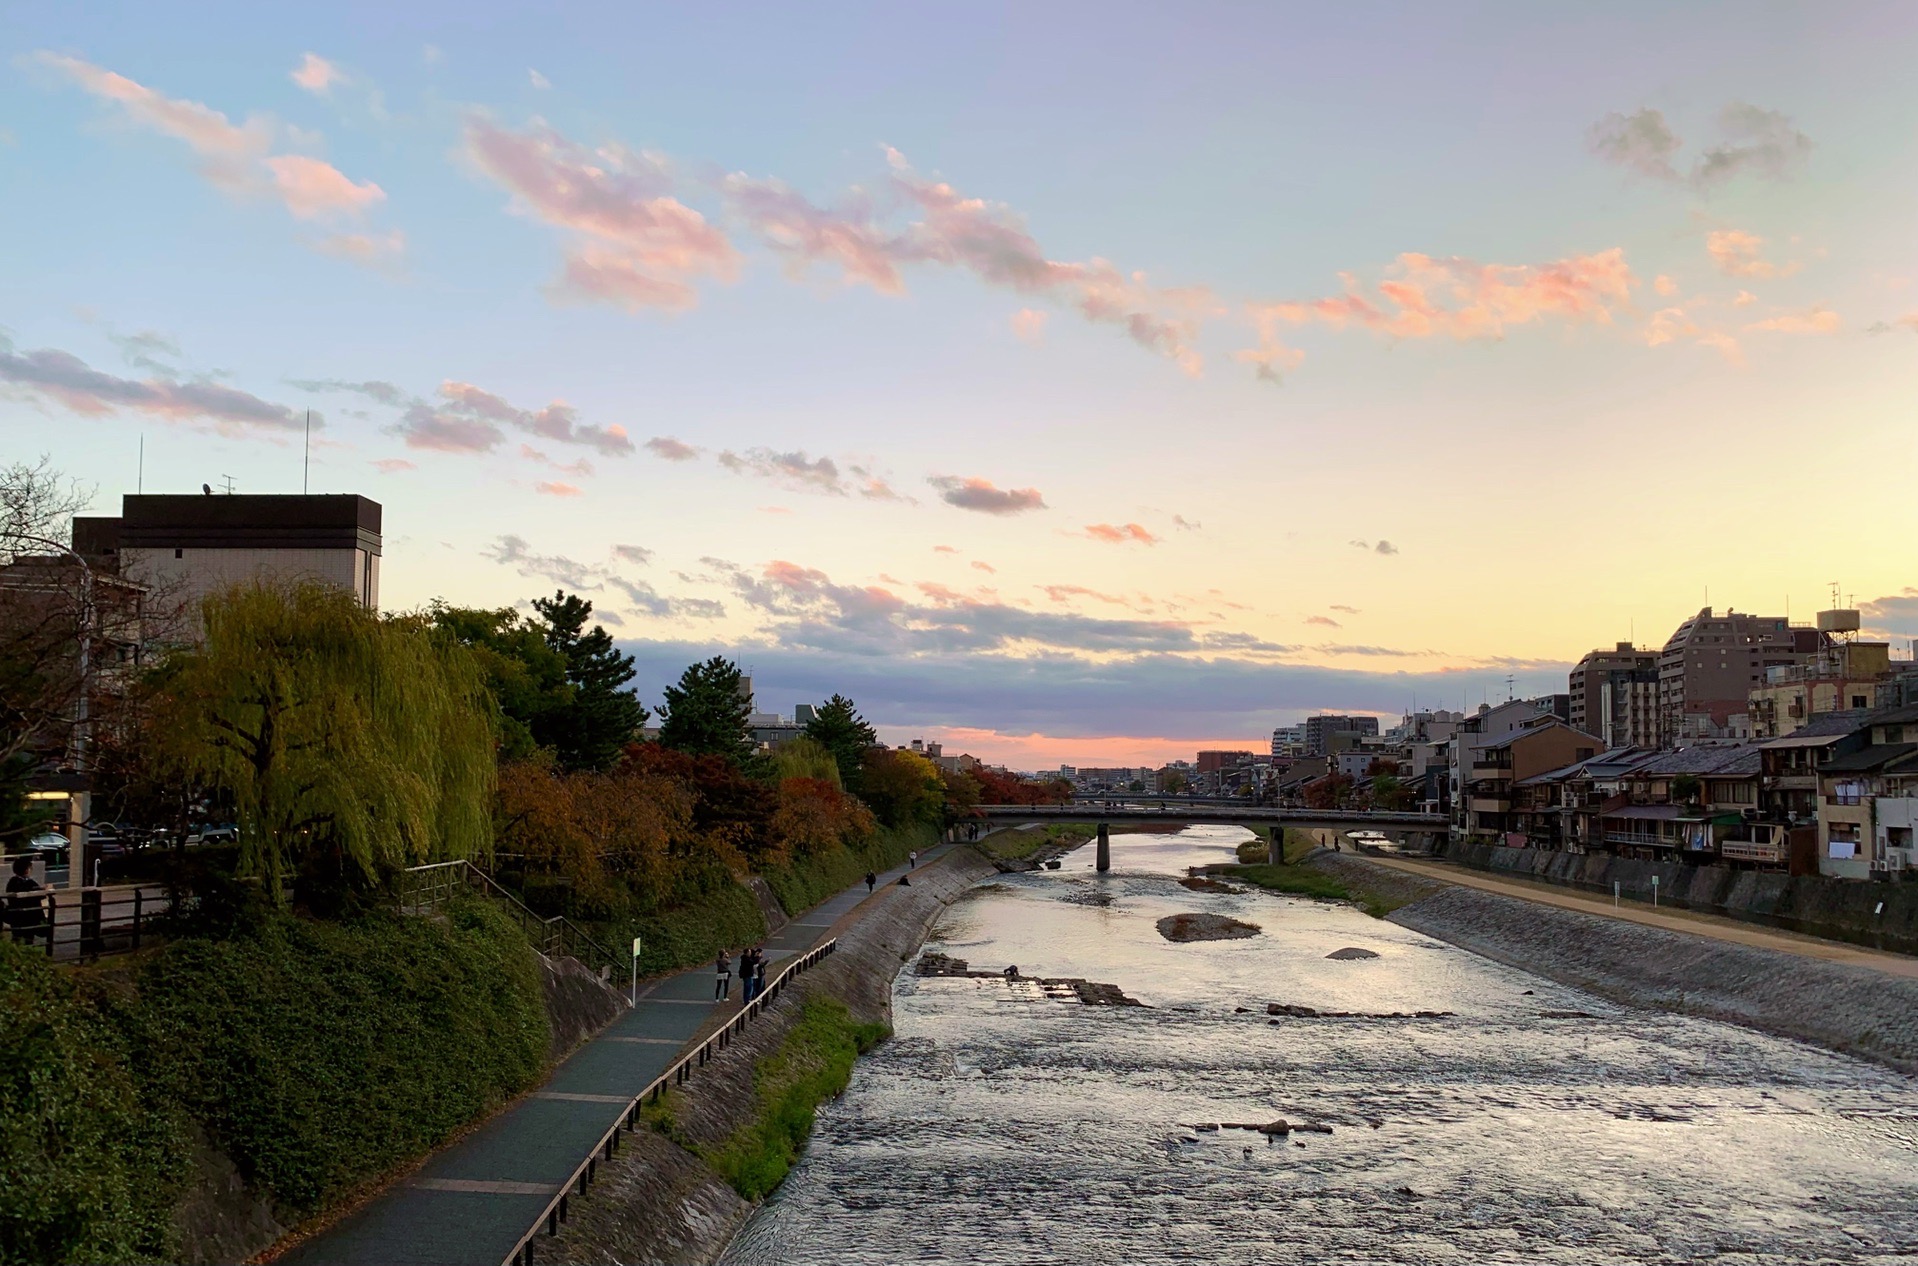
{"x": 76, "y": 831}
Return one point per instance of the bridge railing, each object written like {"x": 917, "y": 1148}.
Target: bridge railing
{"x": 553, "y": 1216}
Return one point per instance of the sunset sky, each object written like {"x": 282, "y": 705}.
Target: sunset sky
{"x": 1076, "y": 382}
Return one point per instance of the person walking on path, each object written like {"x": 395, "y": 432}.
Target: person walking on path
{"x": 912, "y": 859}
{"x": 723, "y": 970}
{"x": 747, "y": 974}
{"x": 872, "y": 881}
{"x": 26, "y": 904}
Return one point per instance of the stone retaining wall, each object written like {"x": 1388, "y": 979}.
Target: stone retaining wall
{"x": 1854, "y": 1010}
{"x": 1836, "y": 909}
{"x": 659, "y": 1202}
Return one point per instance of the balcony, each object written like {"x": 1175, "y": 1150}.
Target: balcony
{"x": 1638, "y": 839}
{"x": 1752, "y": 851}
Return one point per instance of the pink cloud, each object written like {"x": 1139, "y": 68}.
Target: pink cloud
{"x": 1744, "y": 299}
{"x": 985, "y": 567}
{"x": 373, "y": 249}
{"x": 1424, "y": 297}
{"x": 557, "y": 421}
{"x": 393, "y": 465}
{"x": 554, "y": 489}
{"x": 312, "y": 188}
{"x": 943, "y": 594}
{"x": 944, "y": 549}
{"x": 632, "y": 242}
{"x": 236, "y": 158}
{"x": 1120, "y": 534}
{"x": 1741, "y": 254}
{"x": 982, "y": 495}
{"x": 1327, "y": 621}
{"x": 1029, "y": 325}
{"x": 316, "y": 74}
{"x": 670, "y": 449}
{"x": 1664, "y": 285}
{"x": 775, "y": 509}
{"x": 805, "y": 234}
{"x": 1818, "y": 320}
{"x": 539, "y": 458}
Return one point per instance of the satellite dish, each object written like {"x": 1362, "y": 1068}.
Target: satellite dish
{"x": 207, "y": 489}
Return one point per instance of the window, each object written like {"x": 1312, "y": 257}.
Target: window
{"x": 1848, "y": 793}
{"x": 1859, "y": 701}
{"x": 179, "y": 553}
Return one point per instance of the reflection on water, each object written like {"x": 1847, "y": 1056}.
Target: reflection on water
{"x": 1004, "y": 1126}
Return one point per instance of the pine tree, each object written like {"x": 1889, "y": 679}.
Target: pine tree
{"x": 603, "y": 716}
{"x": 706, "y": 713}
{"x": 837, "y": 726}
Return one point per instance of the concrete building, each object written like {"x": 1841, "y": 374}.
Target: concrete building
{"x": 183, "y": 548}
{"x": 1213, "y": 762}
{"x": 1710, "y": 665}
{"x": 1325, "y": 735}
{"x": 1840, "y": 676}
{"x": 1288, "y": 740}
{"x": 1614, "y": 695}
{"x": 1487, "y": 725}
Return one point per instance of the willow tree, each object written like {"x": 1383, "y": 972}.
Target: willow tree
{"x": 351, "y": 745}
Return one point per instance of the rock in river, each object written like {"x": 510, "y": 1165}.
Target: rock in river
{"x": 1352, "y": 952}
{"x": 1204, "y": 927}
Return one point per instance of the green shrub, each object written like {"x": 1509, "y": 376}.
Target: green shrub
{"x": 727, "y": 917}
{"x": 88, "y": 1173}
{"x": 320, "y": 1055}
{"x": 806, "y": 881}
{"x": 812, "y": 1065}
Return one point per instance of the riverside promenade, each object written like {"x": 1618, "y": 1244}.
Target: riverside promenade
{"x": 469, "y": 1203}
{"x": 1671, "y": 918}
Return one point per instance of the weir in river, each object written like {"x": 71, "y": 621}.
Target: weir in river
{"x": 1516, "y": 1120}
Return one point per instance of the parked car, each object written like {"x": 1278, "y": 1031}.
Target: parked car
{"x": 215, "y": 833}
{"x": 50, "y": 845}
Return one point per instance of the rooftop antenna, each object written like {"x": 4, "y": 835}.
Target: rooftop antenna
{"x": 140, "y": 477}
{"x": 227, "y": 481}
{"x": 306, "y": 458}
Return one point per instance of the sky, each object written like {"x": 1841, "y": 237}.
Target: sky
{"x": 1076, "y": 383}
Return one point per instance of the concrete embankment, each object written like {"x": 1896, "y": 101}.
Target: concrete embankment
{"x": 1849, "y": 1009}
{"x": 659, "y": 1200}
{"x": 1881, "y": 915}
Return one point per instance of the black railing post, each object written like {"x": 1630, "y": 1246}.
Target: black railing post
{"x": 136, "y": 917}
{"x": 90, "y": 923}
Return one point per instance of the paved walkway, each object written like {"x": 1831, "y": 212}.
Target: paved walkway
{"x": 1715, "y": 926}
{"x": 470, "y": 1202}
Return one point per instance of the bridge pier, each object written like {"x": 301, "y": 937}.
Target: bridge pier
{"x": 1105, "y": 848}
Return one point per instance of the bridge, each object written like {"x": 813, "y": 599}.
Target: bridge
{"x": 1184, "y": 811}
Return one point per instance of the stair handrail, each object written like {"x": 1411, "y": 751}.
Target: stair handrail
{"x": 557, "y": 933}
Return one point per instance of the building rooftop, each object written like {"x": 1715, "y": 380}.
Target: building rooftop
{"x": 1867, "y": 759}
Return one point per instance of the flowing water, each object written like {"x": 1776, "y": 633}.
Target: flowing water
{"x": 1005, "y": 1125}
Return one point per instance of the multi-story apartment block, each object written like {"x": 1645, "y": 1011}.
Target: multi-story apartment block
{"x": 1498, "y": 766}
{"x": 1325, "y": 735}
{"x": 1614, "y": 695}
{"x": 1288, "y": 740}
{"x": 1710, "y": 665}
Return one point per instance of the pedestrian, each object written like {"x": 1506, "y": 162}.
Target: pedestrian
{"x": 872, "y": 881}
{"x": 759, "y": 976}
{"x": 26, "y": 914}
{"x": 723, "y": 969}
{"x": 749, "y": 968}
{"x": 912, "y": 859}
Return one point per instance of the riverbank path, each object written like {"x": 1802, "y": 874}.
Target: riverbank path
{"x": 471, "y": 1201}
{"x": 1717, "y": 927}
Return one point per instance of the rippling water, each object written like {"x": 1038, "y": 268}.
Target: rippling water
{"x": 1003, "y": 1126}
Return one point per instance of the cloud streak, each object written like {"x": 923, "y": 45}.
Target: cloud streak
{"x": 51, "y": 376}
{"x": 983, "y": 496}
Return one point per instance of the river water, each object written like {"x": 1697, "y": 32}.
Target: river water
{"x": 1003, "y": 1125}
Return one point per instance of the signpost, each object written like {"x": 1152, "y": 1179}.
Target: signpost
{"x": 1654, "y": 892}
{"x": 635, "y": 971}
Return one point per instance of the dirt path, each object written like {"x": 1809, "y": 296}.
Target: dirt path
{"x": 1711, "y": 925}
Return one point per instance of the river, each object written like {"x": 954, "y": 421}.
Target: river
{"x": 1005, "y": 1125}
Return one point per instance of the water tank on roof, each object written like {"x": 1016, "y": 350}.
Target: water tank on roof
{"x": 1840, "y": 621}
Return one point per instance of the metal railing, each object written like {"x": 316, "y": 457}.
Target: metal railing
{"x": 83, "y": 925}
{"x": 424, "y": 889}
{"x": 553, "y": 1216}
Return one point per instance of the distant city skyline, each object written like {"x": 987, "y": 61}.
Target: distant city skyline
{"x": 1066, "y": 385}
